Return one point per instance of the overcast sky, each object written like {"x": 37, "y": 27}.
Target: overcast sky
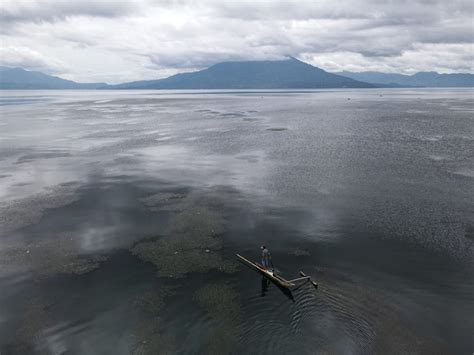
{"x": 116, "y": 41}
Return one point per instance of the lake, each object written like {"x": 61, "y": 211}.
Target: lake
{"x": 121, "y": 213}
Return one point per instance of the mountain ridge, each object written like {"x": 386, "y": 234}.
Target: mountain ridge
{"x": 290, "y": 73}
{"x": 420, "y": 79}
{"x": 19, "y": 78}
{"x": 282, "y": 74}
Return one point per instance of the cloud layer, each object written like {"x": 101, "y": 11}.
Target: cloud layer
{"x": 114, "y": 41}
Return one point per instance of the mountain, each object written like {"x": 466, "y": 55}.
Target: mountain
{"x": 422, "y": 79}
{"x": 281, "y": 74}
{"x": 18, "y": 78}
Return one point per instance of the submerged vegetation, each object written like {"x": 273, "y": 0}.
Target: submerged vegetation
{"x": 299, "y": 252}
{"x": 26, "y": 211}
{"x": 220, "y": 301}
{"x": 28, "y": 335}
{"x": 58, "y": 254}
{"x": 159, "y": 201}
{"x": 150, "y": 336}
{"x": 150, "y": 340}
{"x": 192, "y": 240}
{"x": 174, "y": 258}
{"x": 151, "y": 302}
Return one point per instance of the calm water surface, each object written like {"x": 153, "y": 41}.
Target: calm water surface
{"x": 121, "y": 213}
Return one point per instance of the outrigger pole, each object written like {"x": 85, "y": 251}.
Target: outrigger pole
{"x": 312, "y": 282}
{"x": 300, "y": 279}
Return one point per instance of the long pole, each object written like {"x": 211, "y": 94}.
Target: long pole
{"x": 300, "y": 279}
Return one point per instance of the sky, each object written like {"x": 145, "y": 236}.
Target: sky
{"x": 125, "y": 40}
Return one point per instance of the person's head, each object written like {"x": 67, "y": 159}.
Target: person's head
{"x": 263, "y": 247}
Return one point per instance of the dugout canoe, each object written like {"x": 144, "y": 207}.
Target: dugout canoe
{"x": 280, "y": 281}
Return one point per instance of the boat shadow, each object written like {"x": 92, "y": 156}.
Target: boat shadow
{"x": 266, "y": 283}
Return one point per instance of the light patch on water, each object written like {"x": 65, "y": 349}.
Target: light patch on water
{"x": 165, "y": 152}
{"x": 33, "y": 176}
{"x": 93, "y": 144}
{"x": 131, "y": 121}
{"x": 417, "y": 111}
{"x": 164, "y": 138}
{"x": 95, "y": 123}
{"x": 216, "y": 129}
{"x": 434, "y": 138}
{"x": 465, "y": 172}
{"x": 463, "y": 136}
{"x": 439, "y": 157}
{"x": 95, "y": 238}
{"x": 214, "y": 169}
{"x": 53, "y": 342}
{"x": 462, "y": 108}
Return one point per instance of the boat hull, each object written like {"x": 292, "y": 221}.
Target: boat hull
{"x": 268, "y": 274}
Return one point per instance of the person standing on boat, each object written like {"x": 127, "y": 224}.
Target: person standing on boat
{"x": 266, "y": 257}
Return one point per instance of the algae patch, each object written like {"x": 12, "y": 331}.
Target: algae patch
{"x": 191, "y": 241}
{"x": 179, "y": 256}
{"x": 151, "y": 340}
{"x": 50, "y": 256}
{"x": 151, "y": 302}
{"x": 26, "y": 211}
{"x": 161, "y": 201}
{"x": 220, "y": 301}
{"x": 166, "y": 201}
{"x": 149, "y": 334}
{"x": 299, "y": 252}
{"x": 203, "y": 224}
{"x": 28, "y": 336}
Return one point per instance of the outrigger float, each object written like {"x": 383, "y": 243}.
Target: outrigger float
{"x": 272, "y": 276}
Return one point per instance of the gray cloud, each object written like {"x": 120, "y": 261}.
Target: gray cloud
{"x": 143, "y": 39}
{"x": 54, "y": 10}
{"x": 27, "y": 58}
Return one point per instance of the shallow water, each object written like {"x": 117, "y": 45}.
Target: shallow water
{"x": 121, "y": 212}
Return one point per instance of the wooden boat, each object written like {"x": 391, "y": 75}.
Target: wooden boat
{"x": 272, "y": 276}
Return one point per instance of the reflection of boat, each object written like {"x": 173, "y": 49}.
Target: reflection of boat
{"x": 272, "y": 276}
{"x": 265, "y": 284}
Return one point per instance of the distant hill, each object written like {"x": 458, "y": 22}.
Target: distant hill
{"x": 421, "y": 79}
{"x": 18, "y": 78}
{"x": 280, "y": 74}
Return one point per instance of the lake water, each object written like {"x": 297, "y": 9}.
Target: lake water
{"x": 121, "y": 213}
